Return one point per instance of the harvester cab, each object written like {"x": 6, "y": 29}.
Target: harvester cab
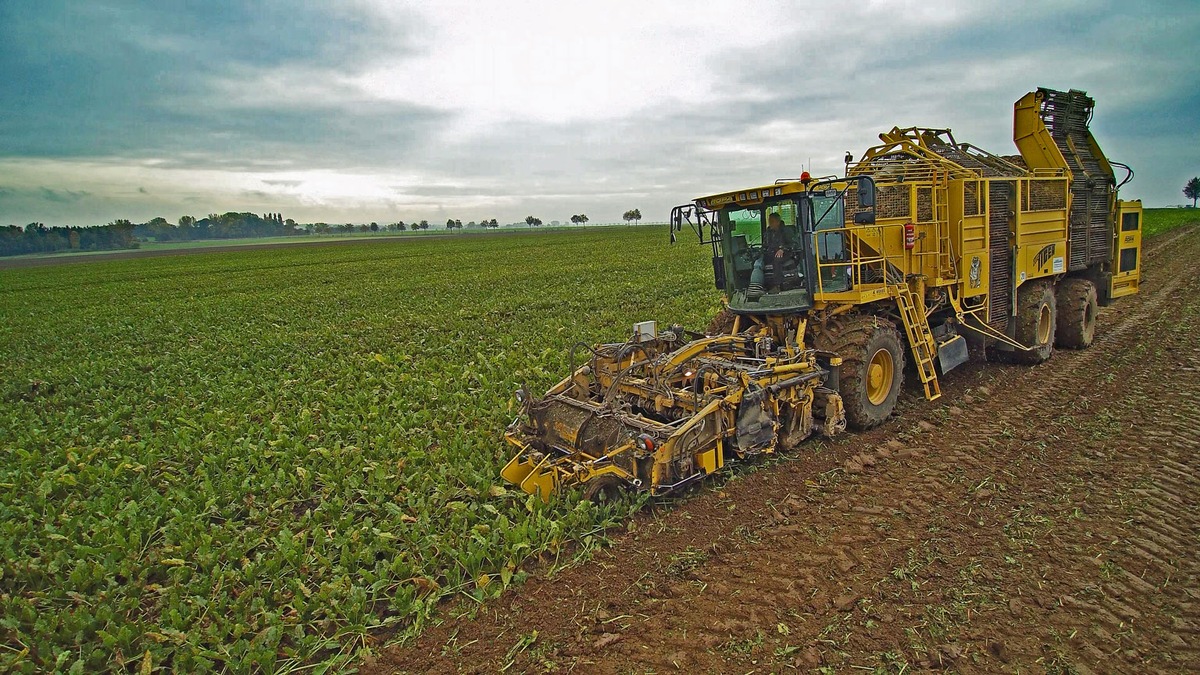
{"x": 774, "y": 248}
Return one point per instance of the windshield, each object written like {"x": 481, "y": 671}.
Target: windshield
{"x": 747, "y": 224}
{"x": 764, "y": 256}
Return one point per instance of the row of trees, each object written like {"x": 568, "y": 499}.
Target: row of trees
{"x": 452, "y": 224}
{"x": 231, "y": 225}
{"x": 37, "y": 238}
{"x": 122, "y": 233}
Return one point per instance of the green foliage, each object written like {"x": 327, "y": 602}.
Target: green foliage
{"x": 37, "y": 238}
{"x": 260, "y": 460}
{"x": 1191, "y": 190}
{"x": 1157, "y": 221}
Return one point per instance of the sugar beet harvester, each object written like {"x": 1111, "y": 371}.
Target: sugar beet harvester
{"x": 927, "y": 247}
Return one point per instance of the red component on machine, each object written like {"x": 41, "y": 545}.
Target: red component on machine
{"x": 910, "y": 236}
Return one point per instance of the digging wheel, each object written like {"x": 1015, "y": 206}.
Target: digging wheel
{"x": 872, "y": 366}
{"x": 1077, "y": 309}
{"x": 603, "y": 489}
{"x": 1036, "y": 319}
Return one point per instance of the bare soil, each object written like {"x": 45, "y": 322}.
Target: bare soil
{"x": 1034, "y": 519}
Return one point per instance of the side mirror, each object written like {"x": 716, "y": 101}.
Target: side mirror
{"x": 866, "y": 191}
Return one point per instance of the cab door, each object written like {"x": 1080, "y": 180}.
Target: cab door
{"x": 1127, "y": 261}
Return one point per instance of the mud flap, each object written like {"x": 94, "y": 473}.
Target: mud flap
{"x": 755, "y": 424}
{"x": 952, "y": 353}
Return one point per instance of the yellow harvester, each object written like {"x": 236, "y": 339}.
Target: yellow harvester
{"x": 928, "y": 248}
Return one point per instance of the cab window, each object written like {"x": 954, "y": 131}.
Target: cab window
{"x": 747, "y": 224}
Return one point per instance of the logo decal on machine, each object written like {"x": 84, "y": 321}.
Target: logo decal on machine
{"x": 976, "y": 268}
{"x": 1043, "y": 256}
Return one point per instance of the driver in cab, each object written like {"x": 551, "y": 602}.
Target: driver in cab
{"x": 778, "y": 244}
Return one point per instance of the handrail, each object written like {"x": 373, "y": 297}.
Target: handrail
{"x": 859, "y": 258}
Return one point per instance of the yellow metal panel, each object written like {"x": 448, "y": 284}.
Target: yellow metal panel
{"x": 518, "y": 467}
{"x": 540, "y": 482}
{"x": 974, "y": 261}
{"x": 751, "y": 196}
{"x": 1034, "y": 261}
{"x": 1040, "y": 228}
{"x": 1033, "y": 139}
{"x": 1127, "y": 263}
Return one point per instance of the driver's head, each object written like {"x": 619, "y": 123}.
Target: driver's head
{"x": 774, "y": 221}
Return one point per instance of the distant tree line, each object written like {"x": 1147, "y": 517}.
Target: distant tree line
{"x": 120, "y": 234}
{"x": 230, "y": 225}
{"x": 37, "y": 238}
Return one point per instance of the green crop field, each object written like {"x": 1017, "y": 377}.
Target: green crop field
{"x": 1157, "y": 221}
{"x": 264, "y": 459}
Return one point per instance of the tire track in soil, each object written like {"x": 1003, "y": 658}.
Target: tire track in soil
{"x": 1045, "y": 521}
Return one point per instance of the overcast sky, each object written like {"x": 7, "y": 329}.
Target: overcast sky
{"x": 362, "y": 110}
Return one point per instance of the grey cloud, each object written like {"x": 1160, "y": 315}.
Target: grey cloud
{"x": 148, "y": 79}
{"x": 62, "y": 196}
{"x": 166, "y": 81}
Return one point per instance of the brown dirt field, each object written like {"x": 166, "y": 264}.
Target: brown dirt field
{"x": 1035, "y": 519}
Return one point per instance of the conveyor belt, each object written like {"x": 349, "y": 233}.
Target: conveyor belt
{"x": 1000, "y": 262}
{"x": 1066, "y": 116}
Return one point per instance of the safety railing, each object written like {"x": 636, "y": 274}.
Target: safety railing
{"x": 861, "y": 258}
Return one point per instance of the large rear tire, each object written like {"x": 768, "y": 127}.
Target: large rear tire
{"x": 1036, "y": 321}
{"x": 1078, "y": 306}
{"x": 872, "y": 369}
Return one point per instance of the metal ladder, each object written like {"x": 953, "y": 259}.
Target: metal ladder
{"x": 920, "y": 337}
{"x": 941, "y": 217}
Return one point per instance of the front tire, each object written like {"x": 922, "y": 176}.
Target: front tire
{"x": 872, "y": 369}
{"x": 1078, "y": 306}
